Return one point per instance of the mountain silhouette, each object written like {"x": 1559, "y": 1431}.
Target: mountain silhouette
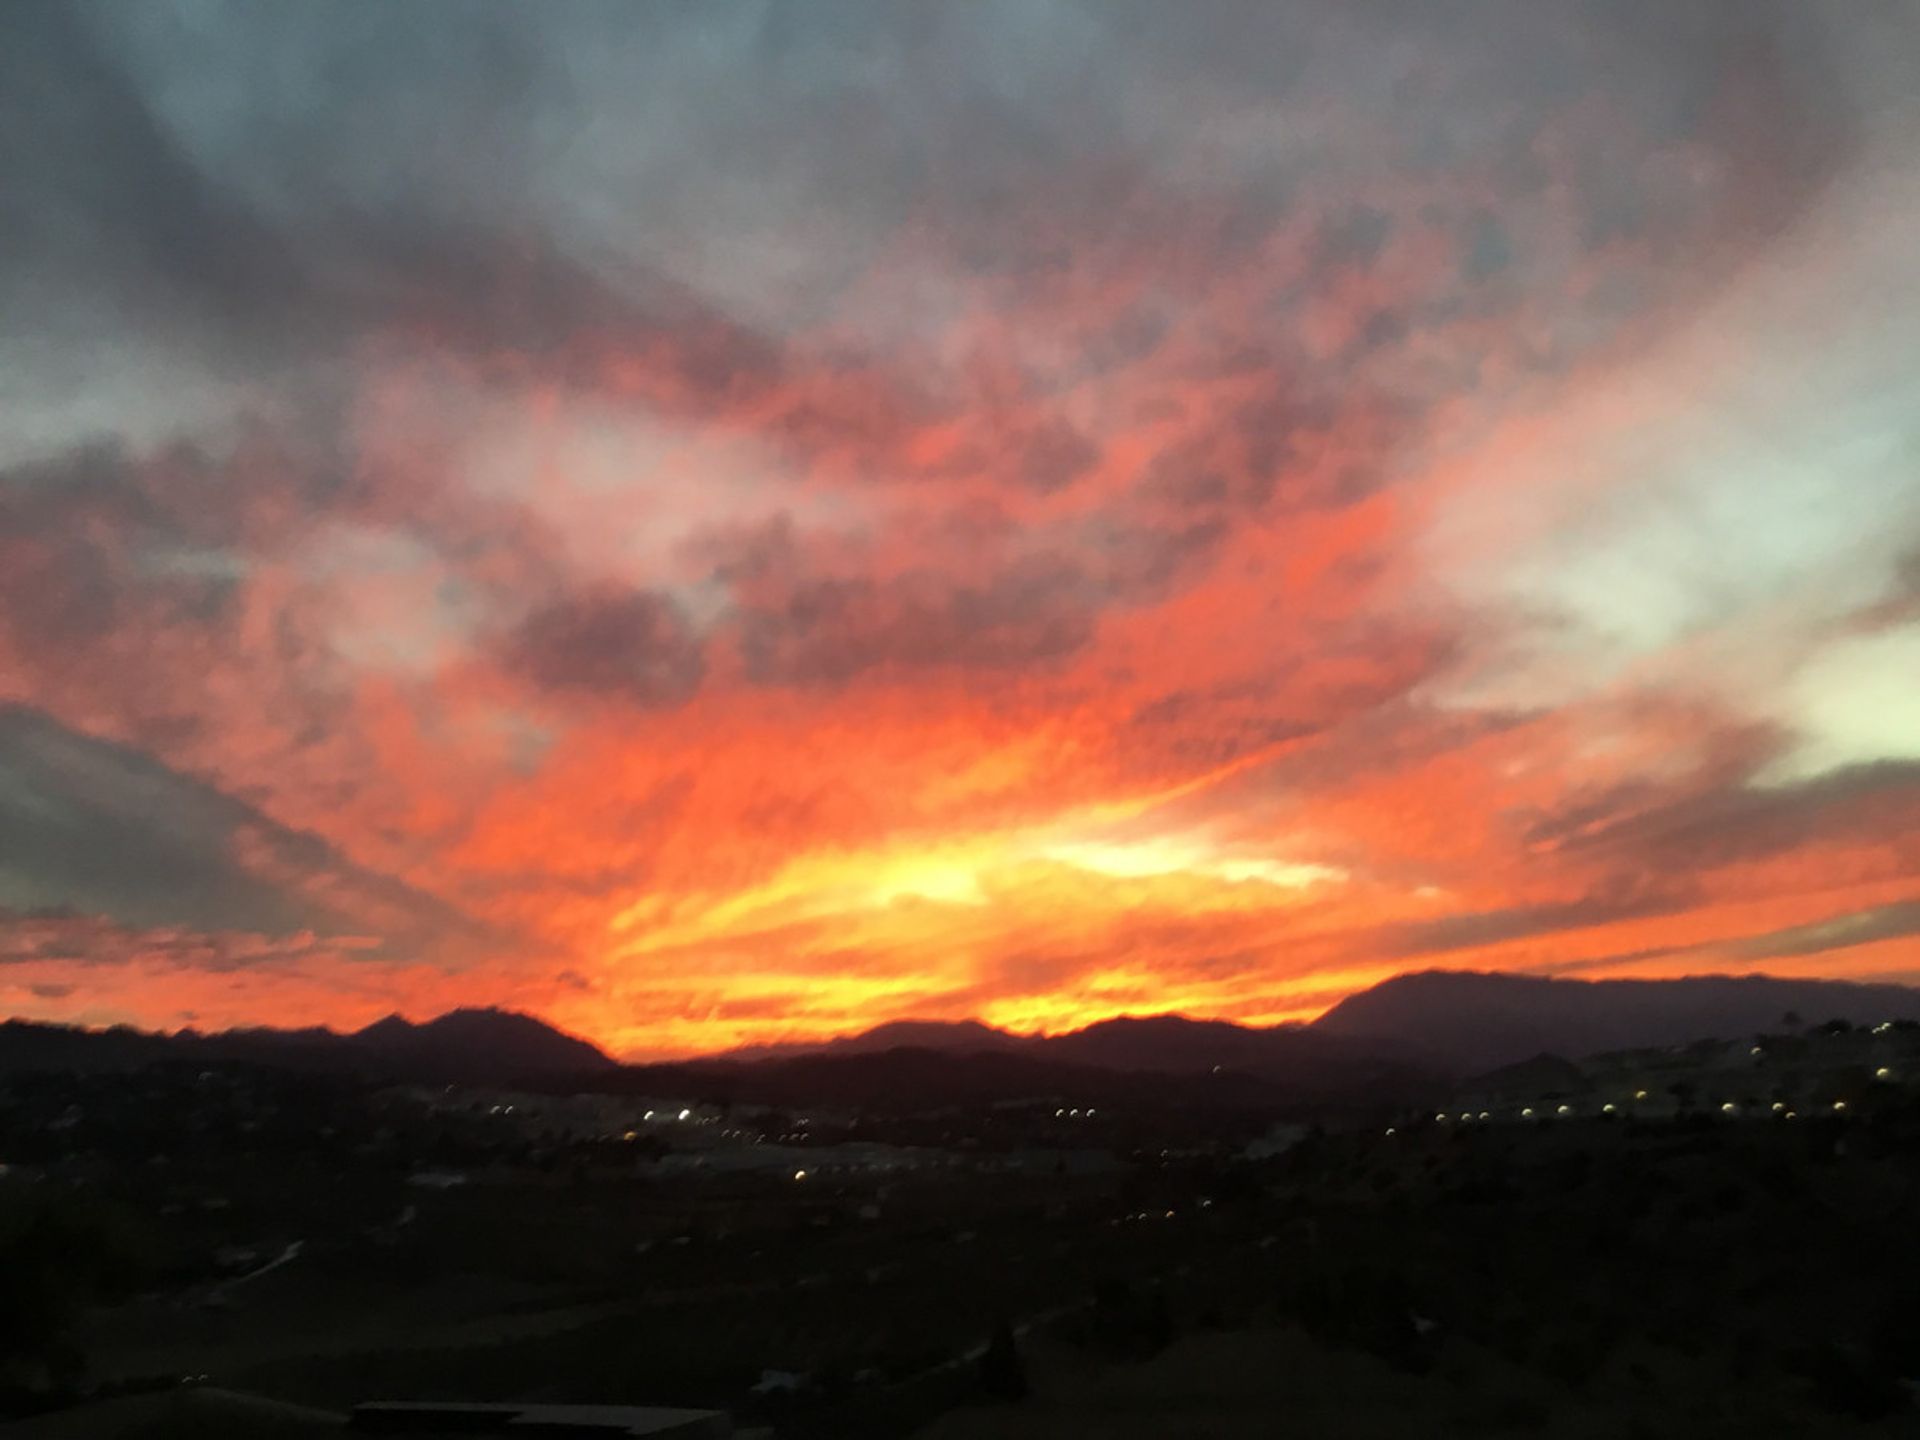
{"x": 476, "y": 1046}
{"x": 1472, "y": 1020}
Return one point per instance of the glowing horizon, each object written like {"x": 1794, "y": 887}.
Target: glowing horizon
{"x": 742, "y": 524}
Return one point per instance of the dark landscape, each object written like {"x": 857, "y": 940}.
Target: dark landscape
{"x": 1178, "y": 1223}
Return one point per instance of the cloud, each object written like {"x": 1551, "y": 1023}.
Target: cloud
{"x": 1862, "y": 927}
{"x": 1035, "y": 611}
{"x": 638, "y": 647}
{"x": 1723, "y": 826}
{"x": 95, "y": 828}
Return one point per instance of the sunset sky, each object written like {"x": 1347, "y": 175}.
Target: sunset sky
{"x": 723, "y": 522}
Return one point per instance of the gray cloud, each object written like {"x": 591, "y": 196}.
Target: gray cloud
{"x": 88, "y": 827}
{"x": 826, "y": 631}
{"x": 1862, "y": 927}
{"x": 1736, "y": 822}
{"x": 636, "y": 646}
{"x": 1492, "y": 927}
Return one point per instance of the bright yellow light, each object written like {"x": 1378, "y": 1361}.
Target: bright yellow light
{"x": 1183, "y": 855}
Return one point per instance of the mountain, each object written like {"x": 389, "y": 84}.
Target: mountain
{"x": 1160, "y": 1044}
{"x": 947, "y": 1037}
{"x": 1175, "y": 1044}
{"x": 1458, "y": 1022}
{"x": 478, "y": 1046}
{"x": 461, "y": 1042}
{"x": 1384, "y": 1041}
{"x": 1475, "y": 1021}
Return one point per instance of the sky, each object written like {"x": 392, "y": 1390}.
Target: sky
{"x": 723, "y": 522}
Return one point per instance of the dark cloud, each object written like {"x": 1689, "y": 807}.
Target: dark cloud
{"x": 89, "y": 538}
{"x": 827, "y": 631}
{"x": 90, "y": 827}
{"x": 1355, "y": 237}
{"x": 634, "y": 646}
{"x": 94, "y": 180}
{"x": 1877, "y": 803}
{"x": 1054, "y": 456}
{"x": 1862, "y": 927}
{"x": 1628, "y": 900}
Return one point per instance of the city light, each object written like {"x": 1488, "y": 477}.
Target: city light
{"x": 1883, "y": 1073}
{"x": 685, "y": 1114}
{"x": 799, "y": 1174}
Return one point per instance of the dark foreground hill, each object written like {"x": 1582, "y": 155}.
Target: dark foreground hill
{"x": 475, "y": 1046}
{"x": 913, "y": 1080}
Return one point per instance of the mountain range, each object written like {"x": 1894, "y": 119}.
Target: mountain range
{"x": 1458, "y": 1021}
{"x": 1376, "y": 1042}
{"x": 473, "y": 1045}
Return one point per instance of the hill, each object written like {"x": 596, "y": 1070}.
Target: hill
{"x": 910, "y": 1080}
{"x": 478, "y": 1046}
{"x": 463, "y": 1042}
{"x": 1475, "y": 1021}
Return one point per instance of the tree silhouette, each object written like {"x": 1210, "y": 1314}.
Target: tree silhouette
{"x": 1002, "y": 1373}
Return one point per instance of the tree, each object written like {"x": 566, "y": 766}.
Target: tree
{"x": 1002, "y": 1373}
{"x": 1157, "y": 1323}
